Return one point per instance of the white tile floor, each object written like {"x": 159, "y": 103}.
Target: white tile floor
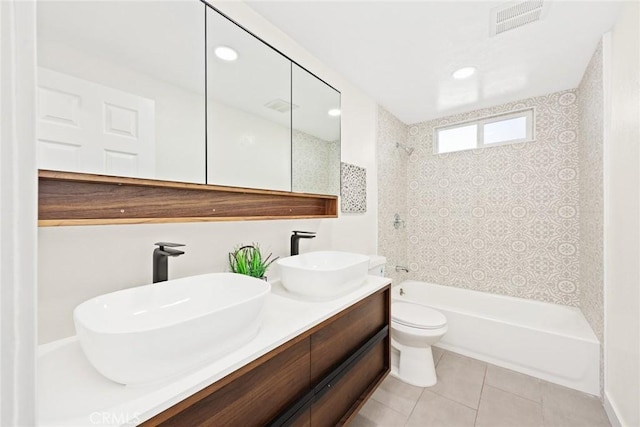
{"x": 474, "y": 393}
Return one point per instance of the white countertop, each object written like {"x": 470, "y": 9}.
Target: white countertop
{"x": 72, "y": 393}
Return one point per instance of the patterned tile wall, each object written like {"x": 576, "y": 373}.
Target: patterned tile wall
{"x": 502, "y": 219}
{"x": 590, "y": 101}
{"x": 523, "y": 220}
{"x": 316, "y": 164}
{"x": 392, "y": 192}
{"x": 353, "y": 189}
{"x": 590, "y": 157}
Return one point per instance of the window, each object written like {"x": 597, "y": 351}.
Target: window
{"x": 496, "y": 130}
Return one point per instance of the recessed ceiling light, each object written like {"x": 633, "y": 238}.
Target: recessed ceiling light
{"x": 464, "y": 73}
{"x": 334, "y": 112}
{"x": 226, "y": 53}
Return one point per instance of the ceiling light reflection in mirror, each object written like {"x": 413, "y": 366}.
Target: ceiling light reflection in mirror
{"x": 248, "y": 109}
{"x": 464, "y": 73}
{"x": 226, "y": 53}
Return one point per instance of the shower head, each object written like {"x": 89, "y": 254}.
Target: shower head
{"x": 408, "y": 150}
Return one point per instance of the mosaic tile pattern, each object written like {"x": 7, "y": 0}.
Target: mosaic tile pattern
{"x": 315, "y": 165}
{"x": 590, "y": 155}
{"x": 502, "y": 219}
{"x": 392, "y": 192}
{"x": 353, "y": 189}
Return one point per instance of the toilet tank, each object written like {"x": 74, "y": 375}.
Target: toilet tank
{"x": 376, "y": 265}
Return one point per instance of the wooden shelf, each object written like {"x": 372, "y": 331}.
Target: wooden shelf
{"x": 68, "y": 198}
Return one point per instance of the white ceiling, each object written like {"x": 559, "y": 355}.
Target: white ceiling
{"x": 148, "y": 38}
{"x": 402, "y": 53}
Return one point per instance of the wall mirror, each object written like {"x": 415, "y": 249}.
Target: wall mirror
{"x": 315, "y": 135}
{"x": 122, "y": 88}
{"x": 175, "y": 91}
{"x": 248, "y": 109}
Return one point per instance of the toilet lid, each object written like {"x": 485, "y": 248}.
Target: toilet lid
{"x": 417, "y": 316}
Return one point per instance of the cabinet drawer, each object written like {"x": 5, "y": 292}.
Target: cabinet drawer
{"x": 302, "y": 420}
{"x": 336, "y": 406}
{"x": 256, "y": 397}
{"x": 338, "y": 339}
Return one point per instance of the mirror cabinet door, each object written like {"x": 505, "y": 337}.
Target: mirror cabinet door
{"x": 316, "y": 135}
{"x": 122, "y": 88}
{"x": 121, "y": 91}
{"x": 248, "y": 109}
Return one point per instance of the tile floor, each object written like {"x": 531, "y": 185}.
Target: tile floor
{"x": 474, "y": 393}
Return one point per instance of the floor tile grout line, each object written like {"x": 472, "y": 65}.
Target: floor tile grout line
{"x": 439, "y": 358}
{"x": 414, "y": 407}
{"x": 483, "y": 390}
{"x": 390, "y": 408}
{"x": 484, "y": 380}
{"x": 539, "y": 402}
{"x": 422, "y": 389}
{"x": 451, "y": 400}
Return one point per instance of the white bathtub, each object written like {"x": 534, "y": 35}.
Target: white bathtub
{"x": 547, "y": 341}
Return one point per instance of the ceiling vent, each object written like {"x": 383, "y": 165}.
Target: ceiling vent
{"x": 280, "y": 105}
{"x": 516, "y": 14}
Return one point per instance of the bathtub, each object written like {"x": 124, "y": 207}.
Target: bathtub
{"x": 547, "y": 341}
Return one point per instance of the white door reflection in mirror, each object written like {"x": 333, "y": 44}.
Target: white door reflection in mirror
{"x": 117, "y": 76}
{"x": 316, "y": 135}
{"x": 248, "y": 109}
{"x": 85, "y": 126}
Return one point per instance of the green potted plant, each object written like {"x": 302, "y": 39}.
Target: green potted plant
{"x": 248, "y": 260}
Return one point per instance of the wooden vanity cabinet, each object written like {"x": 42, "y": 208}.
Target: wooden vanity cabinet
{"x": 344, "y": 333}
{"x": 343, "y": 402}
{"x": 319, "y": 378}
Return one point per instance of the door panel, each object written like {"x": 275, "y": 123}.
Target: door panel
{"x": 87, "y": 127}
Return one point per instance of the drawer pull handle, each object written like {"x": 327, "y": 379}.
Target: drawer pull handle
{"x": 288, "y": 416}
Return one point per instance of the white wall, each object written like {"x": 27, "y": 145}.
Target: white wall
{"x": 18, "y": 213}
{"x": 76, "y": 263}
{"x": 622, "y": 220}
{"x": 246, "y": 150}
{"x": 267, "y": 155}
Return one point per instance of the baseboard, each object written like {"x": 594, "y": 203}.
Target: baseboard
{"x": 611, "y": 412}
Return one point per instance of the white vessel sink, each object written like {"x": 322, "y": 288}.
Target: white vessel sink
{"x": 323, "y": 274}
{"x": 152, "y": 332}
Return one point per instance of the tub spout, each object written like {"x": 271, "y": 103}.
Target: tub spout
{"x": 400, "y": 268}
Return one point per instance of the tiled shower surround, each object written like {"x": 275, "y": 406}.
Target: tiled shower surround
{"x": 523, "y": 220}
{"x": 502, "y": 219}
{"x": 591, "y": 133}
{"x": 392, "y": 192}
{"x": 316, "y": 168}
{"x": 591, "y": 103}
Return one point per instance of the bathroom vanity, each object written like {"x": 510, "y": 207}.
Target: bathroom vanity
{"x": 312, "y": 363}
{"x": 319, "y": 378}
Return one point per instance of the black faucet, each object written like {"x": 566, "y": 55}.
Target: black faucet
{"x": 295, "y": 240}
{"x": 160, "y": 257}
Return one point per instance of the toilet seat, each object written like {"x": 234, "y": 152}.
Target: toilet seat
{"x": 416, "y": 316}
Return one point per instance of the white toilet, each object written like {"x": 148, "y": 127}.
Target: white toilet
{"x": 414, "y": 329}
